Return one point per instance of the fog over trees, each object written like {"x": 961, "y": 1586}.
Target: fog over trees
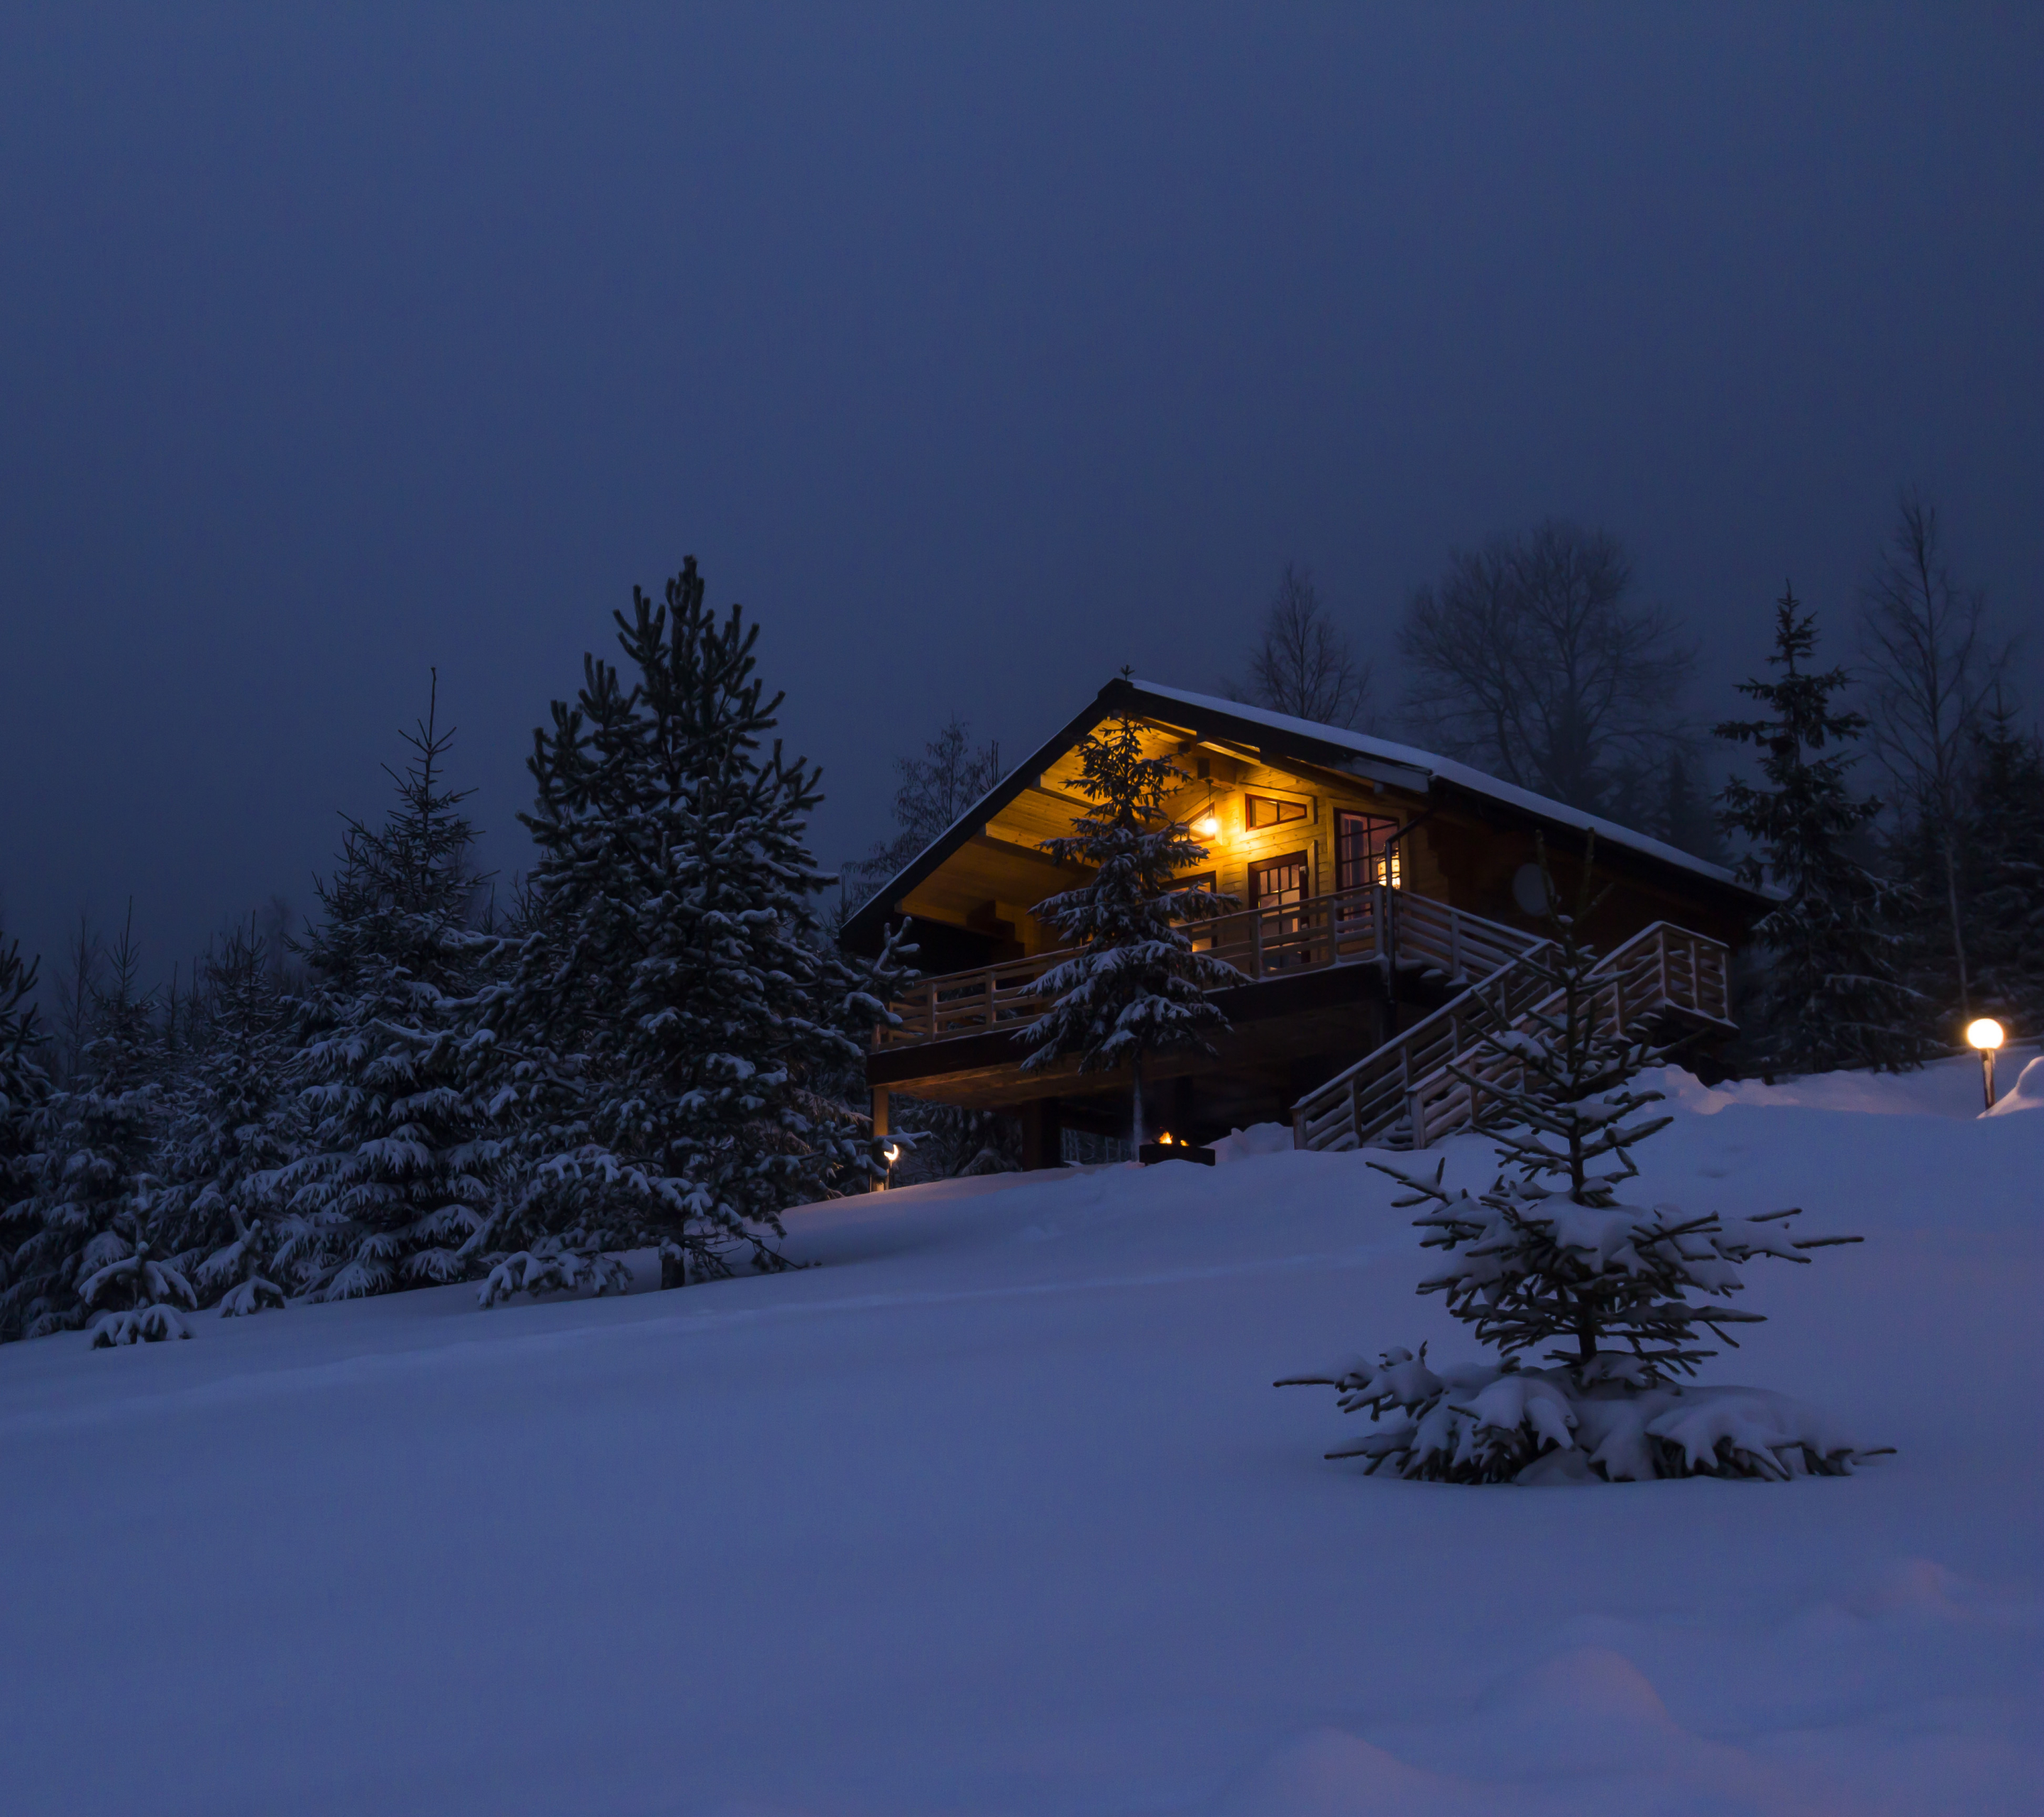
{"x": 1534, "y": 657}
{"x": 1303, "y": 663}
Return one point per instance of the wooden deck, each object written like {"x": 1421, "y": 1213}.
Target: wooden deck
{"x": 1372, "y": 925}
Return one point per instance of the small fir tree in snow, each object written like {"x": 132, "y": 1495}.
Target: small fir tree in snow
{"x": 402, "y": 1152}
{"x": 1834, "y": 997}
{"x": 1136, "y": 986}
{"x": 91, "y": 1175}
{"x": 2003, "y": 877}
{"x": 677, "y": 1013}
{"x": 1550, "y": 1256}
{"x": 140, "y": 1290}
{"x": 238, "y": 1128}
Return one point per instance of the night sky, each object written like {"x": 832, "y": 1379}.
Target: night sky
{"x": 979, "y": 351}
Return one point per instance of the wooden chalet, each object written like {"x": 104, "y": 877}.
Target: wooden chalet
{"x": 1391, "y": 912}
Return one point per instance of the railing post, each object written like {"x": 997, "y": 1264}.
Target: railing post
{"x": 1256, "y": 938}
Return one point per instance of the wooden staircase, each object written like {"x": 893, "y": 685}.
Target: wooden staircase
{"x": 1416, "y": 1088}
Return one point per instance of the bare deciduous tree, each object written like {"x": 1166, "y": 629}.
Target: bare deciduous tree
{"x": 1924, "y": 640}
{"x": 76, "y": 988}
{"x": 1303, "y": 664}
{"x": 1529, "y": 658}
{"x": 936, "y": 787}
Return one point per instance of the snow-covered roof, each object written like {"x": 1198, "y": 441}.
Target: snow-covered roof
{"x": 1446, "y": 769}
{"x": 1401, "y": 765}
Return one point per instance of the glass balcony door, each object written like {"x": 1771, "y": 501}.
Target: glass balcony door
{"x": 1277, "y": 893}
{"x": 1363, "y": 852}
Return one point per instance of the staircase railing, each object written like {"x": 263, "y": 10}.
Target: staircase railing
{"x": 1417, "y": 1087}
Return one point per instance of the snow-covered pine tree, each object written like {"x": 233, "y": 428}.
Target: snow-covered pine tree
{"x": 677, "y": 1007}
{"x": 2002, "y": 843}
{"x": 546, "y": 1230}
{"x": 401, "y": 1154}
{"x": 90, "y": 1174}
{"x": 1833, "y": 996}
{"x": 238, "y": 1126}
{"x": 1551, "y": 1255}
{"x": 1136, "y": 986}
{"x": 24, "y": 1083}
{"x": 24, "y": 1087}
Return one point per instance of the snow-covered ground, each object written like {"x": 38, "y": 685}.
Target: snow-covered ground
{"x": 997, "y": 1511}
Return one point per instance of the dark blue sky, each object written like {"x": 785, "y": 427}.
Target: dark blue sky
{"x": 978, "y": 350}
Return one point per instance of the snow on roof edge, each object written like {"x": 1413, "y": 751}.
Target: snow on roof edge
{"x": 1478, "y": 782}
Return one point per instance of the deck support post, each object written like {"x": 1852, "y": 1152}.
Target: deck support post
{"x": 879, "y": 1132}
{"x": 1042, "y": 1135}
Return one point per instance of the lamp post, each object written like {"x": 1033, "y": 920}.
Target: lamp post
{"x": 1986, "y": 1035}
{"x": 891, "y": 1153}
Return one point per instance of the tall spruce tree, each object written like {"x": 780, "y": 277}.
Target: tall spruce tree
{"x": 402, "y": 1151}
{"x": 1833, "y": 996}
{"x": 91, "y": 1173}
{"x": 2003, "y": 878}
{"x": 1136, "y": 986}
{"x": 677, "y": 1011}
{"x": 238, "y": 1126}
{"x": 24, "y": 1087}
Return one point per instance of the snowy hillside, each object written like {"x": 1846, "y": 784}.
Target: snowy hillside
{"x": 996, "y": 1510}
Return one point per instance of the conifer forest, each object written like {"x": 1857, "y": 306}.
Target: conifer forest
{"x": 648, "y": 1038}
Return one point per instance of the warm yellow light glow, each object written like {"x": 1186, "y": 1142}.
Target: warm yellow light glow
{"x": 891, "y": 1153}
{"x": 1165, "y": 1140}
{"x": 1208, "y": 826}
{"x": 1984, "y": 1034}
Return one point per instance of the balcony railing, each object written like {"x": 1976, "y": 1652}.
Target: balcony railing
{"x": 1352, "y": 926}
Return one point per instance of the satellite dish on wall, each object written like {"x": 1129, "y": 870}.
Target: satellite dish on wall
{"x": 1527, "y": 890}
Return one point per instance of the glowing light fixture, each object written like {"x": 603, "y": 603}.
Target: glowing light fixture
{"x": 1986, "y": 1035}
{"x": 1207, "y": 825}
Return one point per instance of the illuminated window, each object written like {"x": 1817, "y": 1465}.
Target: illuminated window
{"x": 1362, "y": 848}
{"x": 1264, "y": 811}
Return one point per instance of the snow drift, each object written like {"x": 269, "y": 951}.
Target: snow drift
{"x": 994, "y": 1510}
